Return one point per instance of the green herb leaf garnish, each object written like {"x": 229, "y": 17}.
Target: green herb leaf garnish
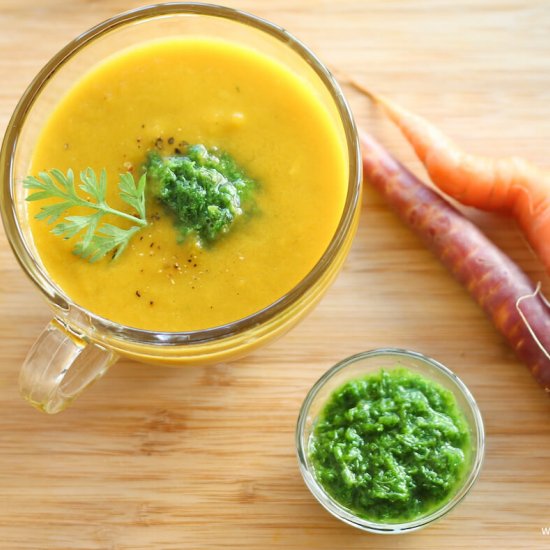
{"x": 97, "y": 238}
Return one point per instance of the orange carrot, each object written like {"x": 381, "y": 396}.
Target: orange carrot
{"x": 515, "y": 306}
{"x": 510, "y": 185}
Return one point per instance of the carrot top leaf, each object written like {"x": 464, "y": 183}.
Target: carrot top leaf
{"x": 96, "y": 238}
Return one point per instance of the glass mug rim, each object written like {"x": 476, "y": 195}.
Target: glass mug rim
{"x": 114, "y": 330}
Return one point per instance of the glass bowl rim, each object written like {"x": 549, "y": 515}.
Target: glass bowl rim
{"x": 167, "y": 338}
{"x": 330, "y": 504}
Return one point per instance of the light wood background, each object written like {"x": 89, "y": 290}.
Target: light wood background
{"x": 201, "y": 458}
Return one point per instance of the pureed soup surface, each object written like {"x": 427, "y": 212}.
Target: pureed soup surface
{"x": 200, "y": 90}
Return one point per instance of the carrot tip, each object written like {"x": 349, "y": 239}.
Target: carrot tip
{"x": 363, "y": 89}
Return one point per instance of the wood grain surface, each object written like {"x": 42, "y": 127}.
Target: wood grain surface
{"x": 201, "y": 458}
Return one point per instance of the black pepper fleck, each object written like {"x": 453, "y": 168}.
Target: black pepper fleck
{"x": 138, "y": 293}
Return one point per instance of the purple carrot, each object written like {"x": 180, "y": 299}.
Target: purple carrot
{"x": 516, "y": 307}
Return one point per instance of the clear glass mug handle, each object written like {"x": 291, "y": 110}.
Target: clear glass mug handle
{"x": 59, "y": 366}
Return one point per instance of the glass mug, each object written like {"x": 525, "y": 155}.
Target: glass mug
{"x": 77, "y": 346}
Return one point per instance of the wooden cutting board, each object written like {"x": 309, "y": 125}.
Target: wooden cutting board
{"x": 204, "y": 457}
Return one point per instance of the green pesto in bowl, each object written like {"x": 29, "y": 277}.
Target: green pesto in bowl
{"x": 391, "y": 446}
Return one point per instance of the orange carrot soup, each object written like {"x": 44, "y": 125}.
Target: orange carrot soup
{"x": 174, "y": 97}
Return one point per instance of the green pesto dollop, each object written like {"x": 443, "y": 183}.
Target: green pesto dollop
{"x": 203, "y": 189}
{"x": 390, "y": 447}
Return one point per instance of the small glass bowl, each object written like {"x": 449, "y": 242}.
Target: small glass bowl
{"x": 358, "y": 366}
